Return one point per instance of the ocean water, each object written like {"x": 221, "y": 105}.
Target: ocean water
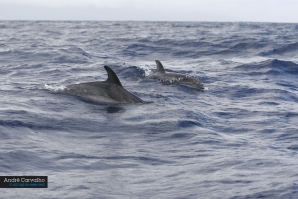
{"x": 236, "y": 140}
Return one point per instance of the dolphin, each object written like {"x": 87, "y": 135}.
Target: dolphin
{"x": 174, "y": 78}
{"x": 110, "y": 91}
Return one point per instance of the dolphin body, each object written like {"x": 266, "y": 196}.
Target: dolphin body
{"x": 174, "y": 78}
{"x": 110, "y": 91}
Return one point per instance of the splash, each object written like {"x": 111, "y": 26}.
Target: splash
{"x": 146, "y": 69}
{"x": 55, "y": 88}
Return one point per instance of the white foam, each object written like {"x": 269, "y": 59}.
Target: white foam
{"x": 206, "y": 89}
{"x": 54, "y": 87}
{"x": 146, "y": 69}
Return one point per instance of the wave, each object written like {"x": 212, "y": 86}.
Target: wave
{"x": 180, "y": 48}
{"x": 138, "y": 49}
{"x": 132, "y": 72}
{"x": 30, "y": 125}
{"x": 267, "y": 94}
{"x": 272, "y": 66}
{"x": 245, "y": 46}
{"x": 285, "y": 49}
{"x": 242, "y": 47}
{"x": 288, "y": 48}
{"x": 72, "y": 55}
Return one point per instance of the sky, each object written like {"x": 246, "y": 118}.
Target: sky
{"x": 152, "y": 10}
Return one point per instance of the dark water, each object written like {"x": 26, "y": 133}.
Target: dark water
{"x": 239, "y": 139}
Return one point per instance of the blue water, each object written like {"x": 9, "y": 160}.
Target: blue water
{"x": 238, "y": 139}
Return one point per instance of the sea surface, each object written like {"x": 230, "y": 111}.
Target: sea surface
{"x": 236, "y": 140}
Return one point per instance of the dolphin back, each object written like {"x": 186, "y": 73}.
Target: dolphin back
{"x": 174, "y": 78}
{"x": 159, "y": 67}
{"x": 110, "y": 91}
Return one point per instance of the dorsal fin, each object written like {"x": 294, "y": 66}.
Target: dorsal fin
{"x": 159, "y": 67}
{"x": 112, "y": 77}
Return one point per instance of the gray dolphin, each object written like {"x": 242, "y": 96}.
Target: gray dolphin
{"x": 174, "y": 78}
{"x": 110, "y": 91}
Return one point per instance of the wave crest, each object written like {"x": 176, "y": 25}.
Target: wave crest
{"x": 273, "y": 66}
